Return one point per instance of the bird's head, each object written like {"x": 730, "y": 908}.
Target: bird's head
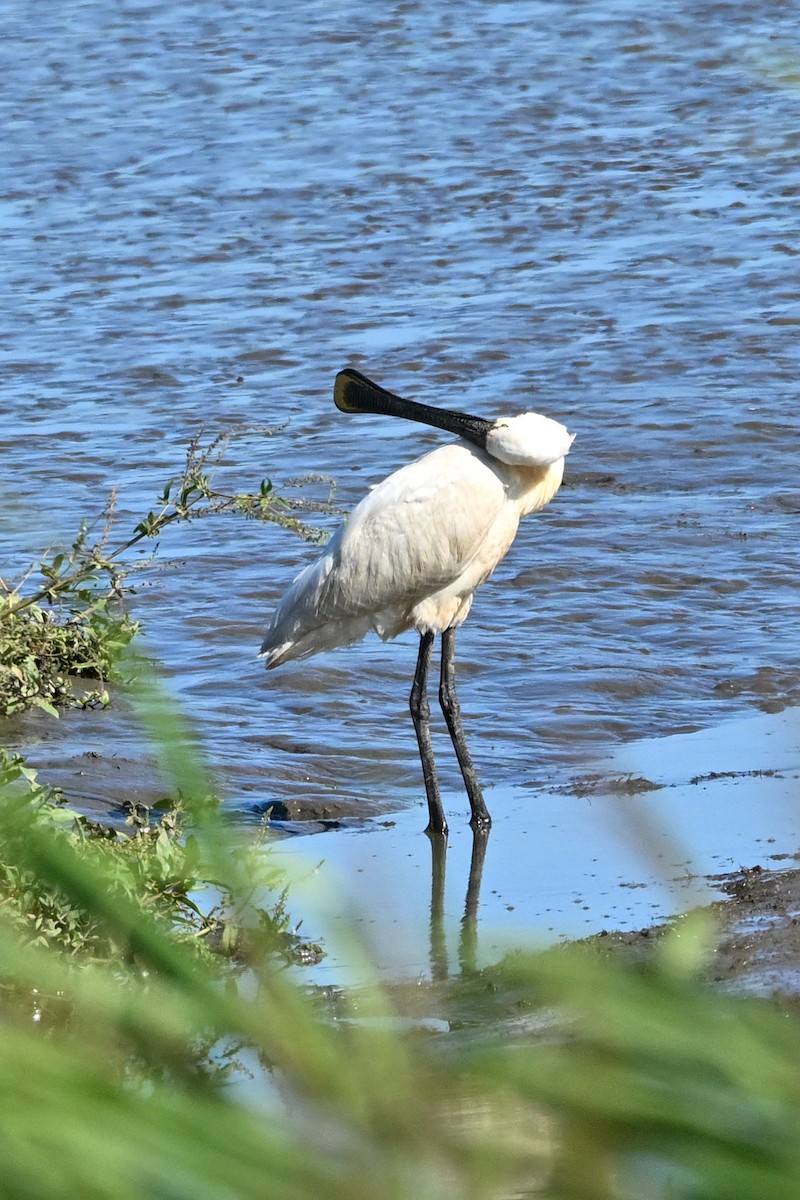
{"x": 529, "y": 440}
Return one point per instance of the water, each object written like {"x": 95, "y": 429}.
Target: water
{"x": 589, "y": 209}
{"x": 656, "y": 832}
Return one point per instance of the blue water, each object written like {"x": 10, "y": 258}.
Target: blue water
{"x": 588, "y": 210}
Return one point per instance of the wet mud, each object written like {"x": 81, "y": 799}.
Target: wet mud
{"x": 659, "y": 828}
{"x": 757, "y": 949}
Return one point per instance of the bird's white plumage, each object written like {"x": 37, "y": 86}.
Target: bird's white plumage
{"x": 414, "y": 550}
{"x": 529, "y": 440}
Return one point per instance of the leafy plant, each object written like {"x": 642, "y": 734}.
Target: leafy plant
{"x": 157, "y": 867}
{"x": 74, "y": 624}
{"x": 40, "y": 656}
{"x": 590, "y": 1078}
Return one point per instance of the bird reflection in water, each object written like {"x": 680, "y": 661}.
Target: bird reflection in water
{"x": 468, "y": 939}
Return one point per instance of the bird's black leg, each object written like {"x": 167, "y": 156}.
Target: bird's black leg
{"x": 452, "y": 714}
{"x": 420, "y": 715}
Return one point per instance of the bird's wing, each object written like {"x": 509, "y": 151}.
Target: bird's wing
{"x": 416, "y": 532}
{"x": 412, "y": 535}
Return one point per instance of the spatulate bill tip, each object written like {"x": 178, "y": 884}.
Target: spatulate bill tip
{"x": 354, "y": 393}
{"x": 346, "y": 390}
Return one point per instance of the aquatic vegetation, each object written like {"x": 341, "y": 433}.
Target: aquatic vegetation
{"x": 72, "y": 623}
{"x": 42, "y": 657}
{"x": 155, "y": 866}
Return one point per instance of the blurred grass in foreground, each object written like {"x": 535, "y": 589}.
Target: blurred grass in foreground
{"x": 647, "y": 1083}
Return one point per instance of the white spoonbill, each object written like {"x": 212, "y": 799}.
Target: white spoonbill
{"x": 412, "y": 553}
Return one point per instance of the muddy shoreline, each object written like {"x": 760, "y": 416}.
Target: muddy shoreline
{"x": 758, "y": 945}
{"x": 661, "y": 827}
{"x": 757, "y": 949}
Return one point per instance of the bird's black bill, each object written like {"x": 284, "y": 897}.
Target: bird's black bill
{"x": 354, "y": 393}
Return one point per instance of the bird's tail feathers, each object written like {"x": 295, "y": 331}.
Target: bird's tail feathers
{"x": 303, "y": 642}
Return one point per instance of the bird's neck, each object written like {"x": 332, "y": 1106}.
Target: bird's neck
{"x": 532, "y": 487}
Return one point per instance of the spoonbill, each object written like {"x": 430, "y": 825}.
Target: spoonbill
{"x": 412, "y": 552}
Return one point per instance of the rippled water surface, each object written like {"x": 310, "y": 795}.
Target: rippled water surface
{"x": 586, "y": 209}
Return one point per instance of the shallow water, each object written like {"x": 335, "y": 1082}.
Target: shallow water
{"x": 589, "y": 210}
{"x": 659, "y": 828}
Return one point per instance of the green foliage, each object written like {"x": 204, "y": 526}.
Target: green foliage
{"x": 41, "y": 657}
{"x": 81, "y": 633}
{"x": 663, "y": 1088}
{"x": 577, "y": 1076}
{"x": 157, "y": 869}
